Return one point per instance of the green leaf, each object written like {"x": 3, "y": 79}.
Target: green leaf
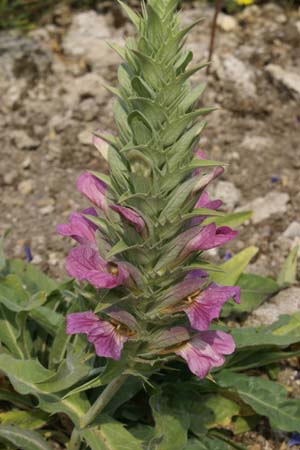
{"x": 233, "y": 220}
{"x": 171, "y": 424}
{"x": 27, "y": 420}
{"x": 254, "y": 291}
{"x": 281, "y": 333}
{"x": 135, "y": 19}
{"x": 110, "y": 435}
{"x": 233, "y": 268}
{"x": 287, "y": 275}
{"x": 48, "y": 319}
{"x": 32, "y": 278}
{"x": 140, "y": 126}
{"x": 265, "y": 397}
{"x": 206, "y": 443}
{"x": 9, "y": 331}
{"x": 23, "y": 439}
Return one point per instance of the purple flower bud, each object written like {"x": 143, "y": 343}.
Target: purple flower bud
{"x": 108, "y": 338}
{"x": 79, "y": 227}
{"x": 94, "y": 189}
{"x": 130, "y": 216}
{"x": 294, "y": 440}
{"x": 205, "y": 202}
{"x": 28, "y": 254}
{"x": 205, "y": 351}
{"x": 206, "y": 238}
{"x": 85, "y": 264}
{"x": 101, "y": 145}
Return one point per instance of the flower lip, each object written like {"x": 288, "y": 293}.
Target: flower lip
{"x": 113, "y": 268}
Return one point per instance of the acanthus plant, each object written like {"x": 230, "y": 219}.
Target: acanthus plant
{"x": 142, "y": 245}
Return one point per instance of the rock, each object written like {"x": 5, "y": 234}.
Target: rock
{"x": 265, "y": 207}
{"x": 85, "y": 137}
{"x": 26, "y": 163}
{"x": 46, "y": 210}
{"x": 26, "y": 187}
{"x": 292, "y": 231}
{"x": 228, "y": 193}
{"x": 88, "y": 110}
{"x": 286, "y": 302}
{"x": 289, "y": 79}
{"x": 231, "y": 69}
{"x": 53, "y": 259}
{"x": 226, "y": 22}
{"x": 89, "y": 87}
{"x": 87, "y": 38}
{"x": 257, "y": 143}
{"x": 23, "y": 141}
{"x": 10, "y": 177}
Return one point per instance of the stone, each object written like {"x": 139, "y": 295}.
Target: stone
{"x": 10, "y": 177}
{"x": 26, "y": 163}
{"x": 289, "y": 79}
{"x": 88, "y": 110}
{"x": 26, "y": 187}
{"x": 226, "y": 22}
{"x": 256, "y": 143}
{"x": 227, "y": 192}
{"x": 265, "y": 207}
{"x": 286, "y": 302}
{"x": 87, "y": 38}
{"x": 46, "y": 210}
{"x": 229, "y": 68}
{"x": 292, "y": 231}
{"x": 23, "y": 141}
{"x": 85, "y": 137}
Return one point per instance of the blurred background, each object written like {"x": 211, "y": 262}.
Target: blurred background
{"x": 54, "y": 59}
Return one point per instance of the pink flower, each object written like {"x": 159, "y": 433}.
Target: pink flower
{"x": 94, "y": 189}
{"x": 205, "y": 351}
{"x": 80, "y": 227}
{"x": 206, "y": 238}
{"x": 85, "y": 263}
{"x": 206, "y": 305}
{"x": 205, "y": 202}
{"x": 130, "y": 216}
{"x": 108, "y": 338}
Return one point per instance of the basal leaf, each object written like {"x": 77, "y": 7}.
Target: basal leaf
{"x": 233, "y": 268}
{"x": 23, "y": 439}
{"x": 27, "y": 420}
{"x": 287, "y": 275}
{"x": 265, "y": 397}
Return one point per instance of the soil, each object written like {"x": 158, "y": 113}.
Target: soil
{"x": 49, "y": 108}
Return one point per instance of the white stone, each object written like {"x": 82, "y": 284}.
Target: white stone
{"x": 290, "y": 79}
{"x": 45, "y": 210}
{"x": 88, "y": 38}
{"x": 286, "y": 302}
{"x": 26, "y": 187}
{"x": 23, "y": 141}
{"x": 256, "y": 143}
{"x": 85, "y": 137}
{"x": 230, "y": 68}
{"x": 292, "y": 231}
{"x": 228, "y": 193}
{"x": 26, "y": 163}
{"x": 226, "y": 22}
{"x": 10, "y": 177}
{"x": 265, "y": 207}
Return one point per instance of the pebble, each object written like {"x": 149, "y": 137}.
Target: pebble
{"x": 290, "y": 79}
{"x": 37, "y": 259}
{"x": 26, "y": 163}
{"x": 265, "y": 207}
{"x": 228, "y": 193}
{"x": 226, "y": 22}
{"x": 47, "y": 210}
{"x": 292, "y": 231}
{"x": 85, "y": 137}
{"x": 10, "y": 177}
{"x": 286, "y": 302}
{"x": 23, "y": 141}
{"x": 230, "y": 68}
{"x": 256, "y": 143}
{"x": 26, "y": 187}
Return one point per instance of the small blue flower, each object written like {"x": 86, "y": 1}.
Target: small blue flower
{"x": 28, "y": 254}
{"x": 227, "y": 256}
{"x": 295, "y": 440}
{"x": 275, "y": 179}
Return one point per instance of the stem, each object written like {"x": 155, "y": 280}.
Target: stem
{"x": 75, "y": 441}
{"x": 103, "y": 400}
{"x": 213, "y": 32}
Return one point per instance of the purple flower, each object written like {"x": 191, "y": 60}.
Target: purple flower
{"x": 205, "y": 238}
{"x": 85, "y": 263}
{"x": 205, "y": 351}
{"x": 294, "y": 440}
{"x": 94, "y": 189}
{"x": 205, "y": 202}
{"x": 79, "y": 227}
{"x": 202, "y": 307}
{"x": 130, "y": 216}
{"x": 108, "y": 338}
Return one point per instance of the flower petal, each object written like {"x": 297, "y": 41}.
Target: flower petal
{"x": 80, "y": 228}
{"x": 131, "y": 216}
{"x": 81, "y": 322}
{"x": 93, "y": 188}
